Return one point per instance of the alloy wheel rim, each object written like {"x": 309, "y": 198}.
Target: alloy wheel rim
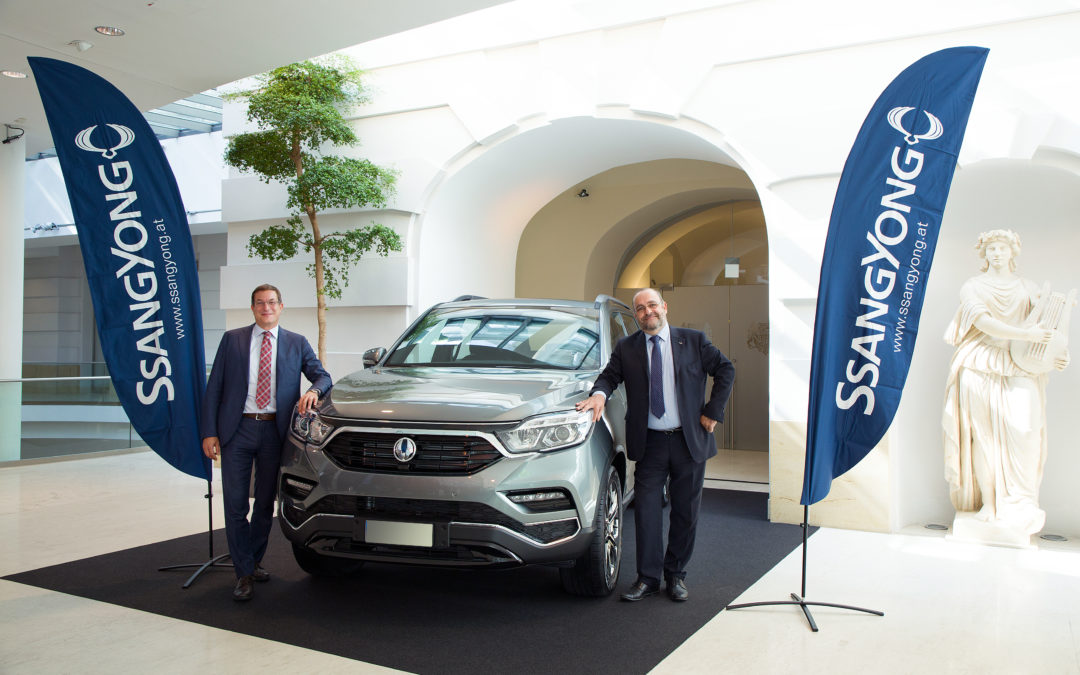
{"x": 612, "y": 531}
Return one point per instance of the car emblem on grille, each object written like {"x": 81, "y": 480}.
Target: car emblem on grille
{"x": 404, "y": 449}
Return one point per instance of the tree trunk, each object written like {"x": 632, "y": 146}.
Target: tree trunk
{"x": 320, "y": 282}
{"x": 316, "y": 238}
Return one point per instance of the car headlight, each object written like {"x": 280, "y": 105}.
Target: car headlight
{"x": 548, "y": 432}
{"x": 310, "y": 428}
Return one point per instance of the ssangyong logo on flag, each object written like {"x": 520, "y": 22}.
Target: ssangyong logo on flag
{"x": 139, "y": 258}
{"x": 82, "y": 140}
{"x": 896, "y": 121}
{"x": 882, "y": 234}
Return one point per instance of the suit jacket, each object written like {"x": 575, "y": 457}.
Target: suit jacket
{"x": 226, "y": 391}
{"x": 695, "y": 359}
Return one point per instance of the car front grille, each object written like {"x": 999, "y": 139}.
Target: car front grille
{"x": 373, "y": 452}
{"x": 433, "y": 510}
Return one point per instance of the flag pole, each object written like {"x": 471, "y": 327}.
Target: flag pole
{"x": 866, "y": 292}
{"x": 800, "y": 598}
{"x": 212, "y": 561}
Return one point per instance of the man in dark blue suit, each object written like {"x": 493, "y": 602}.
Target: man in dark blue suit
{"x": 669, "y": 432}
{"x": 254, "y": 384}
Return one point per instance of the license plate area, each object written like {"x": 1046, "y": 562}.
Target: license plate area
{"x": 393, "y": 533}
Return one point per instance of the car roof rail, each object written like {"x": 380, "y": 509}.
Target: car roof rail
{"x": 463, "y": 298}
{"x": 603, "y": 297}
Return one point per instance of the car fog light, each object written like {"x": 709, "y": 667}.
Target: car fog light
{"x": 542, "y": 500}
{"x": 297, "y": 488}
{"x": 534, "y": 497}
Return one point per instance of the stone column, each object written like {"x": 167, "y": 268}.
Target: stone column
{"x": 12, "y": 200}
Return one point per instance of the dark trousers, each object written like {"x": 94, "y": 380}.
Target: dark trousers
{"x": 257, "y": 444}
{"x": 666, "y": 455}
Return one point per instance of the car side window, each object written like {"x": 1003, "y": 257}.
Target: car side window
{"x": 617, "y": 329}
{"x": 629, "y": 322}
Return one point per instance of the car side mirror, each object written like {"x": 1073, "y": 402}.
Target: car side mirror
{"x": 373, "y": 356}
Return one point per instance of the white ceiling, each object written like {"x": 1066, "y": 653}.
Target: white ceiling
{"x": 176, "y": 48}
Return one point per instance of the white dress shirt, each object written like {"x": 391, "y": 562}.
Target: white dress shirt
{"x": 253, "y": 371}
{"x": 670, "y": 418}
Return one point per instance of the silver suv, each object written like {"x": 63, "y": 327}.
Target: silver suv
{"x": 460, "y": 447}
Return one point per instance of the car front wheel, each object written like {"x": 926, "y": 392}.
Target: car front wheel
{"x": 597, "y": 572}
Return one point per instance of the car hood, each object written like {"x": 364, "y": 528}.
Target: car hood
{"x": 458, "y": 395}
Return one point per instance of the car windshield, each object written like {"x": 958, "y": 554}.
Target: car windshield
{"x": 517, "y": 337}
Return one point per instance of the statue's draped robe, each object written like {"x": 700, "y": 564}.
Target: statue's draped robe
{"x": 995, "y": 412}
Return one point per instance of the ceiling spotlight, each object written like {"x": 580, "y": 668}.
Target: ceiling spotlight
{"x": 583, "y": 193}
{"x": 13, "y": 73}
{"x": 81, "y": 45}
{"x": 111, "y": 31}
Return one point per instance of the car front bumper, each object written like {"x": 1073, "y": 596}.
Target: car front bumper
{"x": 442, "y": 519}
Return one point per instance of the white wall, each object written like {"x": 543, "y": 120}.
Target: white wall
{"x": 494, "y": 127}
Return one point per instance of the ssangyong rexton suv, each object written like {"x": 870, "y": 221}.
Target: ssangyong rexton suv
{"x": 460, "y": 447}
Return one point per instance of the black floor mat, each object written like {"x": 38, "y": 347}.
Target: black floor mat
{"x": 447, "y": 621}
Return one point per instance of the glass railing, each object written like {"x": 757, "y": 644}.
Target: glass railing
{"x": 69, "y": 391}
{"x": 62, "y": 409}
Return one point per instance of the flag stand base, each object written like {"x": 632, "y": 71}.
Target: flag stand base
{"x": 797, "y": 599}
{"x": 213, "y": 561}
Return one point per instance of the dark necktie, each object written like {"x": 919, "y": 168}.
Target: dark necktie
{"x": 262, "y": 386}
{"x": 656, "y": 379}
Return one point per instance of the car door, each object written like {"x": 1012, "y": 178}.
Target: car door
{"x": 615, "y": 409}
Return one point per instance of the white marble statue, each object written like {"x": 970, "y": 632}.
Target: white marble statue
{"x": 995, "y": 410}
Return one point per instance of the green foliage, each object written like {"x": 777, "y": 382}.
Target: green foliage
{"x": 339, "y": 249}
{"x": 297, "y": 110}
{"x": 341, "y": 183}
{"x": 280, "y": 242}
{"x": 261, "y": 152}
{"x": 300, "y": 103}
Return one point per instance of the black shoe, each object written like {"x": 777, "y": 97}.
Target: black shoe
{"x": 244, "y": 589}
{"x": 260, "y": 574}
{"x": 639, "y": 591}
{"x": 676, "y": 589}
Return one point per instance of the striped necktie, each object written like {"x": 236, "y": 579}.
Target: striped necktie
{"x": 656, "y": 379}
{"x": 262, "y": 388}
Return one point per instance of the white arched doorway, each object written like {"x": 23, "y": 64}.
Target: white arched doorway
{"x": 696, "y": 231}
{"x": 470, "y": 228}
{"x": 569, "y": 209}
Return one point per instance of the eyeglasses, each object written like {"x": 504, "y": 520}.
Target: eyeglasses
{"x": 267, "y": 303}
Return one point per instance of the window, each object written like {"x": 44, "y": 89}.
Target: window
{"x": 523, "y": 337}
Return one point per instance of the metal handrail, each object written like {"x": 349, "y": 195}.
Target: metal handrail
{"x": 55, "y": 379}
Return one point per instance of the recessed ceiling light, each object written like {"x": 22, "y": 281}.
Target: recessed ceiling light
{"x": 111, "y": 31}
{"x": 13, "y": 73}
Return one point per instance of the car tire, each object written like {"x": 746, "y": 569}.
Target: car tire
{"x": 318, "y": 565}
{"x": 596, "y": 573}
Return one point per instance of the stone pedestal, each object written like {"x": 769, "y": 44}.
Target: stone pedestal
{"x": 968, "y": 528}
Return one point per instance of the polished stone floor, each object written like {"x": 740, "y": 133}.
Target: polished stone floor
{"x": 949, "y": 607}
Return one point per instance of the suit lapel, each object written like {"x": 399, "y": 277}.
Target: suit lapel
{"x": 245, "y": 345}
{"x": 678, "y": 351}
{"x": 281, "y": 347}
{"x": 641, "y": 346}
